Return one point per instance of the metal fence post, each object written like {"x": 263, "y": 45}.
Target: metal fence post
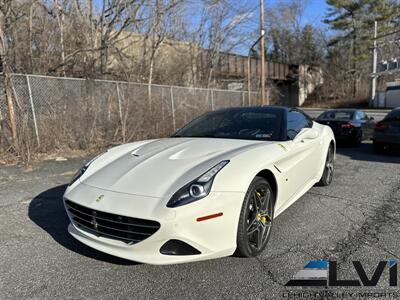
{"x": 119, "y": 103}
{"x": 162, "y": 103}
{"x": 173, "y": 109}
{"x": 33, "y": 110}
{"x": 212, "y": 99}
{"x": 120, "y": 114}
{"x": 249, "y": 96}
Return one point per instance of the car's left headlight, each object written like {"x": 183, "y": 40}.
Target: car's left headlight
{"x": 196, "y": 189}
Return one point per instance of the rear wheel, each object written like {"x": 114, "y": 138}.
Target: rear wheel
{"x": 377, "y": 148}
{"x": 256, "y": 217}
{"x": 327, "y": 176}
{"x": 357, "y": 142}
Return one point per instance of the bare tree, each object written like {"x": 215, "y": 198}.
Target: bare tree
{"x": 157, "y": 36}
{"x": 7, "y": 18}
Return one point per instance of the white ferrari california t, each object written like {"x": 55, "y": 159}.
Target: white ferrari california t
{"x": 210, "y": 190}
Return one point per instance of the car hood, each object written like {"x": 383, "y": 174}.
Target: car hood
{"x": 160, "y": 167}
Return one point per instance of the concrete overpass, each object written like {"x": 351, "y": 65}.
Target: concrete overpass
{"x": 294, "y": 82}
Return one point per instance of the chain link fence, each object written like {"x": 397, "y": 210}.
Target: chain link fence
{"x": 54, "y": 113}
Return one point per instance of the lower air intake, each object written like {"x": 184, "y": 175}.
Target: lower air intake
{"x": 177, "y": 247}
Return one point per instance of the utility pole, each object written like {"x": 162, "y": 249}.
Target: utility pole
{"x": 262, "y": 45}
{"x": 249, "y": 77}
{"x": 374, "y": 64}
{"x": 249, "y": 72}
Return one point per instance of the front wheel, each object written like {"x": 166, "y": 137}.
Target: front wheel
{"x": 377, "y": 148}
{"x": 327, "y": 176}
{"x": 256, "y": 217}
{"x": 358, "y": 140}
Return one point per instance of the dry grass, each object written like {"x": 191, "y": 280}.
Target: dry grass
{"x": 86, "y": 116}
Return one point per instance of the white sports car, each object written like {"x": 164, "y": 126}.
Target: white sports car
{"x": 210, "y": 190}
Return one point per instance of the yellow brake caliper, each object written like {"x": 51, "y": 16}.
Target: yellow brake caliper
{"x": 263, "y": 219}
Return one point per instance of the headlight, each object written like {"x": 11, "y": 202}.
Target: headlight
{"x": 82, "y": 170}
{"x": 198, "y": 188}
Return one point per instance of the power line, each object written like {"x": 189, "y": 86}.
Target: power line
{"x": 387, "y": 34}
{"x": 242, "y": 11}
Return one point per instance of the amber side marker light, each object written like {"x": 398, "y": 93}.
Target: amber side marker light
{"x": 209, "y": 217}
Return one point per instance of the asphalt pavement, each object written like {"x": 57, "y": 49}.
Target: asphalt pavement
{"x": 356, "y": 218}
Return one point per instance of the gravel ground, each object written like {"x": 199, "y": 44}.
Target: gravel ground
{"x": 356, "y": 218}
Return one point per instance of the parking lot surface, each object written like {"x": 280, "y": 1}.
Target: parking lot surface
{"x": 356, "y": 218}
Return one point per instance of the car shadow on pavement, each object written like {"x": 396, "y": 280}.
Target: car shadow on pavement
{"x": 365, "y": 153}
{"x": 47, "y": 211}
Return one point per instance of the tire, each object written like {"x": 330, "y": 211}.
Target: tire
{"x": 329, "y": 167}
{"x": 377, "y": 148}
{"x": 256, "y": 218}
{"x": 357, "y": 142}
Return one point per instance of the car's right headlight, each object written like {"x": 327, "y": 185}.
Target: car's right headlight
{"x": 196, "y": 189}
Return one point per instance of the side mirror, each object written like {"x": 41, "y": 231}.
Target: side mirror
{"x": 372, "y": 118}
{"x": 306, "y": 134}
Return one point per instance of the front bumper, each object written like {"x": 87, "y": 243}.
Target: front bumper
{"x": 213, "y": 238}
{"x": 387, "y": 138}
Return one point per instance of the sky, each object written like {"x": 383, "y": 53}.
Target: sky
{"x": 314, "y": 13}
{"x": 315, "y": 10}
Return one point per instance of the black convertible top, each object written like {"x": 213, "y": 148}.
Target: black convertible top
{"x": 256, "y": 108}
{"x": 279, "y": 132}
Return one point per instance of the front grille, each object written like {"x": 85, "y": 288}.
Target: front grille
{"x": 125, "y": 229}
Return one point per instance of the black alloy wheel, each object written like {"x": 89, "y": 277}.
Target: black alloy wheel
{"x": 357, "y": 142}
{"x": 378, "y": 148}
{"x": 256, "y": 218}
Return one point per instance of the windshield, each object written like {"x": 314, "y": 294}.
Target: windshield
{"x": 336, "y": 115}
{"x": 247, "y": 124}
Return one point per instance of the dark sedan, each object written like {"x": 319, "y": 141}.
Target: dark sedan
{"x": 349, "y": 125}
{"x": 387, "y": 131}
